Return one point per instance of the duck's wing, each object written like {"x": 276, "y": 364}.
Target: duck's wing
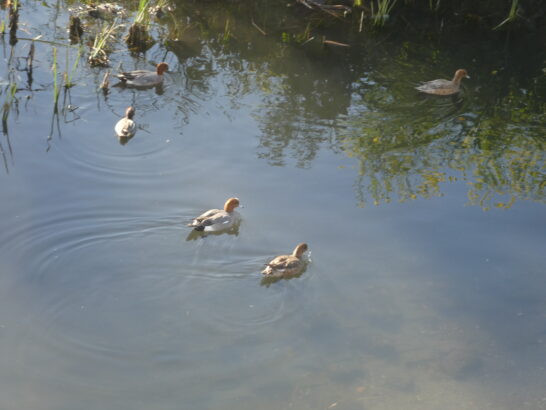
{"x": 131, "y": 75}
{"x": 125, "y": 127}
{"x": 284, "y": 262}
{"x": 218, "y": 218}
{"x": 206, "y": 218}
{"x": 283, "y": 265}
{"x": 435, "y": 85}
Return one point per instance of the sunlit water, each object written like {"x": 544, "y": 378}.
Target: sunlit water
{"x": 433, "y": 298}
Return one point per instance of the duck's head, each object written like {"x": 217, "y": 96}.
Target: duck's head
{"x": 460, "y": 73}
{"x": 231, "y": 204}
{"x": 300, "y": 250}
{"x": 130, "y": 112}
{"x": 161, "y": 68}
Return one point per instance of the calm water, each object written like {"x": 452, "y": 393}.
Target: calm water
{"x": 425, "y": 218}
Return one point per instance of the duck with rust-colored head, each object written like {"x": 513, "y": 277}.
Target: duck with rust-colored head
{"x": 218, "y": 219}
{"x": 144, "y": 78}
{"x": 444, "y": 87}
{"x": 287, "y": 265}
{"x": 126, "y": 127}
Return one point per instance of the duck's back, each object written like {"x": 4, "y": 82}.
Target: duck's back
{"x": 439, "y": 87}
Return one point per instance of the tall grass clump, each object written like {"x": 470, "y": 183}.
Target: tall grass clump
{"x": 67, "y": 76}
{"x": 139, "y": 38}
{"x": 99, "y": 50}
{"x": 75, "y": 29}
{"x": 227, "y": 32}
{"x": 381, "y": 11}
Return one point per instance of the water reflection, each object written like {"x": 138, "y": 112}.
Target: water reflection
{"x": 408, "y": 156}
{"x": 124, "y": 140}
{"x": 194, "y": 234}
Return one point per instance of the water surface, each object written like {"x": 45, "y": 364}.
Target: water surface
{"x": 425, "y": 219}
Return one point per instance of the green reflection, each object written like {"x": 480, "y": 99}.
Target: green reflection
{"x": 498, "y": 151}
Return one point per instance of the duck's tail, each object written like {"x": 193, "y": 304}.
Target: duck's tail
{"x": 268, "y": 270}
{"x": 198, "y": 228}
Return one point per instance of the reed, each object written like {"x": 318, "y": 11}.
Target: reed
{"x": 513, "y": 14}
{"x": 56, "y": 87}
{"x": 381, "y": 12}
{"x": 138, "y": 38}
{"x": 160, "y": 9}
{"x": 10, "y": 98}
{"x": 13, "y": 16}
{"x": 69, "y": 75}
{"x": 99, "y": 50}
{"x": 75, "y": 29}
{"x": 227, "y": 32}
{"x": 434, "y": 5}
{"x": 143, "y": 16}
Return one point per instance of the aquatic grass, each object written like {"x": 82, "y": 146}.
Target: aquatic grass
{"x": 13, "y": 15}
{"x": 56, "y": 87}
{"x": 138, "y": 38}
{"x": 513, "y": 14}
{"x": 160, "y": 8}
{"x": 227, "y": 32}
{"x": 69, "y": 75}
{"x": 99, "y": 55}
{"x": 10, "y": 98}
{"x": 381, "y": 13}
{"x": 105, "y": 84}
{"x": 75, "y": 29}
{"x": 143, "y": 15}
{"x": 434, "y": 5}
{"x": 304, "y": 36}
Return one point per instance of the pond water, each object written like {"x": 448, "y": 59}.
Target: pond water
{"x": 425, "y": 219}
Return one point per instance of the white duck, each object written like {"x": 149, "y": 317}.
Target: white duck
{"x": 126, "y": 127}
{"x": 287, "y": 265}
{"x": 218, "y": 219}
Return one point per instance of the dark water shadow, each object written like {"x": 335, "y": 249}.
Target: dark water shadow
{"x": 195, "y": 235}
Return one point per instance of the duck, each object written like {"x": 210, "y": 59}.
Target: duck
{"x": 287, "y": 265}
{"x": 218, "y": 219}
{"x": 144, "y": 78}
{"x": 444, "y": 87}
{"x": 126, "y": 127}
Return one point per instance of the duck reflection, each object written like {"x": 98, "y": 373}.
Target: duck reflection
{"x": 194, "y": 235}
{"x": 124, "y": 140}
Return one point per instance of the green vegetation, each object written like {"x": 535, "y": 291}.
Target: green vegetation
{"x": 381, "y": 11}
{"x": 68, "y": 75}
{"x": 512, "y": 15}
{"x": 101, "y": 45}
{"x": 9, "y": 92}
{"x": 404, "y": 147}
{"x": 401, "y": 158}
{"x": 56, "y": 86}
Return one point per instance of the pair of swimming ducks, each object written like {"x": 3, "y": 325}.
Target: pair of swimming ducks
{"x": 215, "y": 220}
{"x": 126, "y": 127}
{"x": 144, "y": 78}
